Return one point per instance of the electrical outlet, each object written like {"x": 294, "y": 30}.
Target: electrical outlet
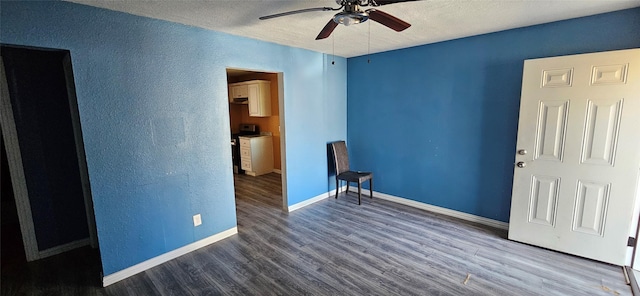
{"x": 197, "y": 220}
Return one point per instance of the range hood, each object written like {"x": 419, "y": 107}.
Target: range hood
{"x": 242, "y": 101}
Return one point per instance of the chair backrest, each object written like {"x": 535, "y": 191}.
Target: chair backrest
{"x": 340, "y": 156}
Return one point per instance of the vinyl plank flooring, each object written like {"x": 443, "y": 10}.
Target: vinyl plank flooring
{"x": 336, "y": 247}
{"x": 222, "y": 279}
{"x": 141, "y": 284}
{"x": 164, "y": 278}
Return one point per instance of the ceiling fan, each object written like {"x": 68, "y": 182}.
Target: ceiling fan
{"x": 352, "y": 13}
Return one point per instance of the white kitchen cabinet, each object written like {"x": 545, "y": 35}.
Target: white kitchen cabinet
{"x": 257, "y": 93}
{"x": 238, "y": 91}
{"x": 256, "y": 155}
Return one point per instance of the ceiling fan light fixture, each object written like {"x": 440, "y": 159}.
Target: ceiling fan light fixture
{"x": 351, "y": 18}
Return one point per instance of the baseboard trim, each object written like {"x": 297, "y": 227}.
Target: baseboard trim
{"x": 312, "y": 200}
{"x": 411, "y": 203}
{"x": 63, "y": 248}
{"x": 277, "y": 171}
{"x": 140, "y": 267}
{"x": 441, "y": 210}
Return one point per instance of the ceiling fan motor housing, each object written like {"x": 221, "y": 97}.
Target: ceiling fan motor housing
{"x": 352, "y": 13}
{"x": 358, "y": 2}
{"x": 350, "y": 18}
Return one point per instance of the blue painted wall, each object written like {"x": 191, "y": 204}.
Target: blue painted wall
{"x": 437, "y": 123}
{"x": 153, "y": 106}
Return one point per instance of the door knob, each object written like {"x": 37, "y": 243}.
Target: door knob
{"x": 522, "y": 152}
{"x": 521, "y": 164}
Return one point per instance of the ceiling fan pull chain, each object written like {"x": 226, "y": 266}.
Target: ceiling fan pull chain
{"x": 369, "y": 46}
{"x": 333, "y": 50}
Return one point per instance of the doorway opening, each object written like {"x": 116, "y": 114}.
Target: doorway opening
{"x": 257, "y": 127}
{"x": 45, "y": 151}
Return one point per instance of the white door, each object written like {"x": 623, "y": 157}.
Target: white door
{"x": 579, "y": 148}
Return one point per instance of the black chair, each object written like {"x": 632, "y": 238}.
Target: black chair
{"x": 341, "y": 161}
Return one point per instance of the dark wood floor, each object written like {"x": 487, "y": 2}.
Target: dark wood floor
{"x": 335, "y": 247}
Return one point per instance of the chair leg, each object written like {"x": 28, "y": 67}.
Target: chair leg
{"x": 359, "y": 192}
{"x": 337, "y": 187}
{"x": 371, "y": 188}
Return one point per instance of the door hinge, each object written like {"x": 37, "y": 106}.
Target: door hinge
{"x": 631, "y": 242}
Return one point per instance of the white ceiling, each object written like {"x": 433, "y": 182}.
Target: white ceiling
{"x": 432, "y": 20}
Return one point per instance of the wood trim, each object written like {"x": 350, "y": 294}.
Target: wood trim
{"x": 283, "y": 142}
{"x": 155, "y": 261}
{"x": 277, "y": 171}
{"x": 636, "y": 212}
{"x": 18, "y": 180}
{"x": 314, "y": 199}
{"x": 80, "y": 153}
{"x": 440, "y": 210}
{"x": 634, "y": 281}
{"x": 66, "y": 247}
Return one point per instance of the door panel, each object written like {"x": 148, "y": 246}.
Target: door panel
{"x": 544, "y": 200}
{"x": 576, "y": 192}
{"x": 601, "y": 131}
{"x": 590, "y": 210}
{"x": 552, "y": 126}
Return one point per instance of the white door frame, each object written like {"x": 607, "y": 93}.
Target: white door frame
{"x": 633, "y": 255}
{"x": 283, "y": 150}
{"x": 18, "y": 179}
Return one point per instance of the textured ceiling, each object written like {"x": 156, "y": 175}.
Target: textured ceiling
{"x": 432, "y": 20}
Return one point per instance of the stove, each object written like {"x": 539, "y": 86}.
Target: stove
{"x": 245, "y": 130}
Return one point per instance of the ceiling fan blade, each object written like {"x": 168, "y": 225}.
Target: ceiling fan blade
{"x": 381, "y": 2}
{"x": 388, "y": 20}
{"x": 266, "y": 17}
{"x": 326, "y": 31}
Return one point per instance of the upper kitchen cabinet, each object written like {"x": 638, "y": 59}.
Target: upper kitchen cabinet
{"x": 238, "y": 92}
{"x": 255, "y": 93}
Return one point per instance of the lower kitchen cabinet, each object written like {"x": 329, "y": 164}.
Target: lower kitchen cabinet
{"x": 256, "y": 154}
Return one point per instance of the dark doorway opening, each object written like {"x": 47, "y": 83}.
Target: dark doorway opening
{"x": 44, "y": 143}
